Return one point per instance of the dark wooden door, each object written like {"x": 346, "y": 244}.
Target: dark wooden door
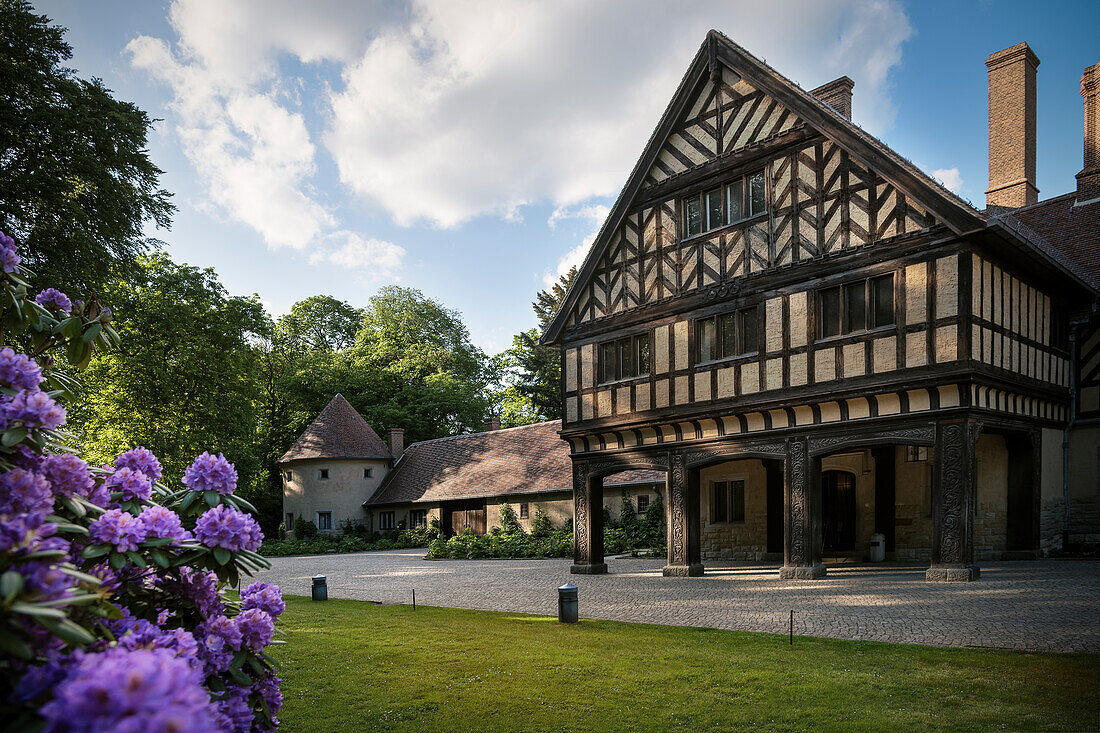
{"x": 838, "y": 510}
{"x": 1021, "y": 497}
{"x": 461, "y": 515}
{"x": 475, "y": 520}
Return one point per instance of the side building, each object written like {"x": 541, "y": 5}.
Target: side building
{"x": 339, "y": 471}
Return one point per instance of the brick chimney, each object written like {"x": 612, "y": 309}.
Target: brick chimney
{"x": 1012, "y": 127}
{"x": 837, "y": 94}
{"x": 492, "y": 423}
{"x": 1088, "y": 180}
{"x": 396, "y": 439}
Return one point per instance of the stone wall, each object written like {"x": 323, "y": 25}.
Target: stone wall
{"x": 342, "y": 493}
{"x": 912, "y": 507}
{"x": 747, "y": 540}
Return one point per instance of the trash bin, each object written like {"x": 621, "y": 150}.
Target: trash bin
{"x": 878, "y": 547}
{"x": 320, "y": 588}
{"x": 567, "y": 604}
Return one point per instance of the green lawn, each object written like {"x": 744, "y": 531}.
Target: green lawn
{"x": 352, "y": 666}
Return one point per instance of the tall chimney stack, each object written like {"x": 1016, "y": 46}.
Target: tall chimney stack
{"x": 837, "y": 94}
{"x": 396, "y": 439}
{"x": 1088, "y": 180}
{"x": 1012, "y": 127}
{"x": 492, "y": 423}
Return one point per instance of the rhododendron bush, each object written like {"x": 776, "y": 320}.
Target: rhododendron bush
{"x": 113, "y": 610}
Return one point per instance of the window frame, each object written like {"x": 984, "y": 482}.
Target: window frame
{"x": 736, "y": 511}
{"x": 839, "y": 294}
{"x": 368, "y": 473}
{"x": 614, "y": 348}
{"x": 642, "y": 503}
{"x": 701, "y": 200}
{"x": 288, "y": 522}
{"x": 317, "y": 519}
{"x": 524, "y": 510}
{"x": 391, "y": 516}
{"x": 418, "y": 518}
{"x": 322, "y": 474}
{"x": 738, "y": 316}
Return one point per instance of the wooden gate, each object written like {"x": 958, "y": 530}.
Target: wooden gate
{"x": 461, "y": 515}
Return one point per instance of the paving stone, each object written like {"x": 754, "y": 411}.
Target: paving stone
{"x": 1047, "y": 605}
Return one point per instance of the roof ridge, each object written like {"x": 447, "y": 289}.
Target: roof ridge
{"x": 1051, "y": 200}
{"x": 482, "y": 432}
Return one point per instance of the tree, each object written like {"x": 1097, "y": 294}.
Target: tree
{"x": 76, "y": 182}
{"x": 320, "y": 323}
{"x": 548, "y": 301}
{"x": 184, "y": 378}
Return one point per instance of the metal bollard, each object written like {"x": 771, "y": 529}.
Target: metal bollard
{"x": 320, "y": 588}
{"x": 567, "y": 604}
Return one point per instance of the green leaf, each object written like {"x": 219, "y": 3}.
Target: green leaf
{"x": 157, "y": 542}
{"x": 16, "y": 648}
{"x": 222, "y": 555}
{"x": 65, "y": 325}
{"x": 187, "y": 500}
{"x": 69, "y": 631}
{"x": 92, "y": 332}
{"x": 83, "y": 577}
{"x": 160, "y": 558}
{"x": 246, "y": 505}
{"x": 31, "y": 609}
{"x": 65, "y": 526}
{"x": 118, "y": 560}
{"x": 11, "y": 583}
{"x": 92, "y": 551}
{"x": 13, "y": 436}
{"x": 137, "y": 559}
{"x": 240, "y": 677}
{"x": 213, "y": 498}
{"x": 72, "y": 505}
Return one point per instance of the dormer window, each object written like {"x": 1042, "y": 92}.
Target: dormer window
{"x": 734, "y": 202}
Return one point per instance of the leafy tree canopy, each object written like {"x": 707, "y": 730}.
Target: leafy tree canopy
{"x": 76, "y": 182}
{"x": 320, "y": 323}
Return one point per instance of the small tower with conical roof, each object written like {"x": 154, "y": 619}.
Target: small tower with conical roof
{"x": 333, "y": 467}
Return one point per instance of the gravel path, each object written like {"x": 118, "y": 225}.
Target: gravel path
{"x": 1047, "y": 605}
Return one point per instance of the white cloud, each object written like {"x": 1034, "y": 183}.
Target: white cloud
{"x": 373, "y": 258}
{"x": 444, "y": 111}
{"x": 950, "y": 178}
{"x": 594, "y": 213}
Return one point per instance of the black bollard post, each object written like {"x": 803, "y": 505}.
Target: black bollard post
{"x": 320, "y": 588}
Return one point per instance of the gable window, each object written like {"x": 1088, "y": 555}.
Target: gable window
{"x": 368, "y": 472}
{"x": 855, "y": 307}
{"x": 385, "y": 520}
{"x": 323, "y": 474}
{"x": 524, "y": 511}
{"x": 624, "y": 358}
{"x": 324, "y": 521}
{"x": 418, "y": 518}
{"x": 289, "y": 522}
{"x": 288, "y": 476}
{"x": 726, "y": 334}
{"x": 738, "y": 200}
{"x": 643, "y": 502}
{"x": 728, "y": 503}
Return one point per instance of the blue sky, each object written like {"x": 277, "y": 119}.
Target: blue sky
{"x": 471, "y": 150}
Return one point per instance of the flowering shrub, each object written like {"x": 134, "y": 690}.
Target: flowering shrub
{"x": 113, "y": 612}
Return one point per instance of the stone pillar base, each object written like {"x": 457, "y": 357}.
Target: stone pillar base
{"x": 952, "y": 574}
{"x": 682, "y": 571}
{"x": 801, "y": 572}
{"x": 595, "y": 568}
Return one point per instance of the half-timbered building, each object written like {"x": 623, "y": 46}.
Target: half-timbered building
{"x": 819, "y": 343}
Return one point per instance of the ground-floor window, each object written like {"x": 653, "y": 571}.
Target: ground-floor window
{"x": 643, "y": 502}
{"x": 290, "y": 521}
{"x": 324, "y": 521}
{"x": 418, "y": 518}
{"x": 729, "y": 501}
{"x": 385, "y": 520}
{"x": 524, "y": 511}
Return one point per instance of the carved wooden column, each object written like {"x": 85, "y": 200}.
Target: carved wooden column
{"x": 953, "y": 503}
{"x": 802, "y": 508}
{"x": 587, "y": 522}
{"x": 684, "y": 548}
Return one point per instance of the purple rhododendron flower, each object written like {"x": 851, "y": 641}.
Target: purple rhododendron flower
{"x": 9, "y": 257}
{"x": 124, "y": 690}
{"x": 133, "y": 484}
{"x": 200, "y": 586}
{"x": 264, "y": 596}
{"x": 160, "y": 521}
{"x": 269, "y": 690}
{"x": 256, "y": 627}
{"x": 218, "y": 638}
{"x": 232, "y": 529}
{"x": 68, "y": 475}
{"x": 140, "y": 459}
{"x": 24, "y": 492}
{"x": 54, "y": 300}
{"x": 19, "y": 370}
{"x": 35, "y": 410}
{"x": 45, "y": 581}
{"x": 209, "y": 472}
{"x": 118, "y": 528}
{"x": 236, "y": 709}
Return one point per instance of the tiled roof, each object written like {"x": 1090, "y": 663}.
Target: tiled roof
{"x": 1072, "y": 231}
{"x": 531, "y": 459}
{"x": 338, "y": 432}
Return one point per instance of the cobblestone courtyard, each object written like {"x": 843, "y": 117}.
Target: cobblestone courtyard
{"x": 1047, "y": 605}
